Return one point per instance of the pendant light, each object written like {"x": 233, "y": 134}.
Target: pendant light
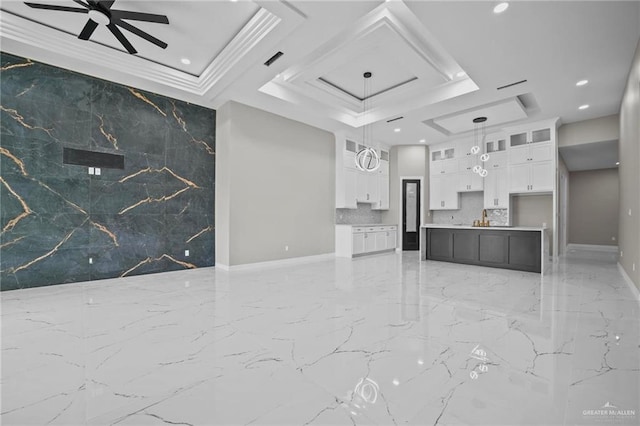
{"x": 367, "y": 159}
{"x": 479, "y": 137}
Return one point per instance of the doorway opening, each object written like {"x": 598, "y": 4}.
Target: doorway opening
{"x": 410, "y": 214}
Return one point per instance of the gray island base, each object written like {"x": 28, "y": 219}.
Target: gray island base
{"x": 519, "y": 248}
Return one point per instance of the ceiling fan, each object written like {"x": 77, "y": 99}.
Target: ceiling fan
{"x": 100, "y": 12}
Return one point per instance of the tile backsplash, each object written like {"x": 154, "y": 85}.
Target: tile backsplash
{"x": 362, "y": 215}
{"x": 471, "y": 205}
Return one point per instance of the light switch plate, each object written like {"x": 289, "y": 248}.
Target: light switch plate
{"x": 97, "y": 170}
{"x": 91, "y": 170}
{"x": 186, "y": 253}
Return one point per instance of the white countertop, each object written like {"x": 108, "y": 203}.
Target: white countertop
{"x": 367, "y": 224}
{"x": 489, "y": 228}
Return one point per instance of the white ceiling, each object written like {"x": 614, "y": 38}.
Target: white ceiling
{"x": 431, "y": 61}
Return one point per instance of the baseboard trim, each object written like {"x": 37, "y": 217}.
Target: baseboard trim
{"x": 629, "y": 282}
{"x": 594, "y": 247}
{"x": 276, "y": 263}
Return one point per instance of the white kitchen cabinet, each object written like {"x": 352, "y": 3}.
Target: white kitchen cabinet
{"x": 531, "y": 153}
{"x": 495, "y": 143}
{"x": 381, "y": 240}
{"x": 496, "y": 189}
{"x": 535, "y": 177}
{"x": 443, "y": 194}
{"x": 532, "y": 135}
{"x": 367, "y": 187}
{"x": 463, "y": 148}
{"x": 369, "y": 242}
{"x": 383, "y": 193}
{"x": 468, "y": 181}
{"x": 350, "y": 182}
{"x": 355, "y": 186}
{"x": 392, "y": 238}
{"x": 360, "y": 240}
{"x": 497, "y": 160}
{"x": 442, "y": 167}
{"x": 532, "y": 144}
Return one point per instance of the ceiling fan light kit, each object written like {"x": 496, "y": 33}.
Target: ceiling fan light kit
{"x": 100, "y": 13}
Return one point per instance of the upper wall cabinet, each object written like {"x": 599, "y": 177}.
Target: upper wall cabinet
{"x": 532, "y": 159}
{"x": 495, "y": 143}
{"x": 531, "y": 145}
{"x": 443, "y": 159}
{"x": 354, "y": 186}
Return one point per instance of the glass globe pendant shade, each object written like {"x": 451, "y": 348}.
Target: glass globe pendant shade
{"x": 484, "y": 157}
{"x": 476, "y": 169}
{"x": 367, "y": 160}
{"x": 484, "y": 173}
{"x": 475, "y": 149}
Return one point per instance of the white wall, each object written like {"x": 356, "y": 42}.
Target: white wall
{"x": 593, "y": 207}
{"x": 407, "y": 160}
{"x": 629, "y": 146}
{"x": 275, "y": 187}
{"x": 588, "y": 131}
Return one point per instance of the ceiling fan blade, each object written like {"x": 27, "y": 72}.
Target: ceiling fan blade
{"x": 106, "y": 4}
{"x": 139, "y": 16}
{"x": 81, "y": 3}
{"x": 88, "y": 30}
{"x": 121, "y": 38}
{"x": 56, "y": 7}
{"x": 127, "y": 26}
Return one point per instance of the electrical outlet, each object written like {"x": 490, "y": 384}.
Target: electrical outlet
{"x": 91, "y": 261}
{"x": 613, "y": 238}
{"x": 286, "y": 248}
{"x": 98, "y": 171}
{"x": 633, "y": 267}
{"x": 92, "y": 170}
{"x": 629, "y": 212}
{"x": 186, "y": 253}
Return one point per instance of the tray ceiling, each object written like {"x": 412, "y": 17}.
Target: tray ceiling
{"x": 433, "y": 62}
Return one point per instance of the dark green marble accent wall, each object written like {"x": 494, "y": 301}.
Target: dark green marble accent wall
{"x": 54, "y": 217}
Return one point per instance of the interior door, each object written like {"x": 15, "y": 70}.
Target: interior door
{"x": 410, "y": 214}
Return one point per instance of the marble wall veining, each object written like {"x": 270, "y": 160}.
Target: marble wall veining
{"x": 471, "y": 206}
{"x": 362, "y": 215}
{"x": 58, "y": 223}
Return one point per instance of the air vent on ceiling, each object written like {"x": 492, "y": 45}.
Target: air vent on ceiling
{"x": 511, "y": 84}
{"x": 395, "y": 119}
{"x": 273, "y": 58}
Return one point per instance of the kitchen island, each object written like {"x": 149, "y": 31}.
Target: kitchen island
{"x": 521, "y": 248}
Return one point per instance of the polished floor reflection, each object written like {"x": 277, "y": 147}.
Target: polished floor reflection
{"x": 379, "y": 340}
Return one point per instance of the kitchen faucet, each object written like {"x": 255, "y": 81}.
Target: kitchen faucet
{"x": 484, "y": 221}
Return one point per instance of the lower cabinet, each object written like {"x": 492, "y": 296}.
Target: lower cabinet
{"x": 520, "y": 250}
{"x": 358, "y": 240}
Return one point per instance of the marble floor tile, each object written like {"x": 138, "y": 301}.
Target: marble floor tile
{"x": 377, "y": 340}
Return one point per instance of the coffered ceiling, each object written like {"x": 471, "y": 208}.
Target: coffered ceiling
{"x": 435, "y": 65}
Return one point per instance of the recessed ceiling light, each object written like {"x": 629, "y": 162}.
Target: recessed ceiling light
{"x": 461, "y": 74}
{"x": 423, "y": 140}
{"x": 585, "y": 106}
{"x": 185, "y": 61}
{"x": 397, "y": 129}
{"x": 501, "y": 7}
{"x": 582, "y": 82}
